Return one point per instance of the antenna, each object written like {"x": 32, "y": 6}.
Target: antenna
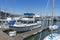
{"x": 6, "y": 11}
{"x": 47, "y": 7}
{"x": 14, "y": 5}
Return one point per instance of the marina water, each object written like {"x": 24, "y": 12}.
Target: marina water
{"x": 44, "y": 33}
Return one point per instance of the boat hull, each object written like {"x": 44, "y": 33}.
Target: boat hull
{"x": 25, "y": 28}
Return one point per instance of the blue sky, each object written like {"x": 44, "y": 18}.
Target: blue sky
{"x": 30, "y": 6}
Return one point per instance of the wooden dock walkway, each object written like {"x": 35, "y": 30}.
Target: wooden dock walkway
{"x": 4, "y": 36}
{"x": 27, "y": 34}
{"x": 21, "y": 36}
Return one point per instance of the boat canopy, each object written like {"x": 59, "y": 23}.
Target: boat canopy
{"x": 29, "y": 14}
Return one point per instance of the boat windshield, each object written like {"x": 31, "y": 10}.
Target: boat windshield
{"x": 25, "y": 22}
{"x": 28, "y": 17}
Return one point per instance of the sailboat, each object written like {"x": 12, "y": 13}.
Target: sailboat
{"x": 53, "y": 36}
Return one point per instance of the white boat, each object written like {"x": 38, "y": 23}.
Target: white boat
{"x": 4, "y": 22}
{"x": 4, "y": 26}
{"x": 53, "y": 36}
{"x": 54, "y": 27}
{"x": 26, "y": 23}
{"x": 12, "y": 33}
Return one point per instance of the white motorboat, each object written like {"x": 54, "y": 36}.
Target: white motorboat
{"x": 26, "y": 23}
{"x": 54, "y": 27}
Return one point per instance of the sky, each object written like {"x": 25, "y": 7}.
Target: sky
{"x": 30, "y": 6}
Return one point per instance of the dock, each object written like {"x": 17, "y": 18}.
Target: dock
{"x": 22, "y": 35}
{"x": 4, "y": 36}
{"x": 29, "y": 33}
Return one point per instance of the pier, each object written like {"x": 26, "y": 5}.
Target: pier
{"x": 23, "y": 35}
{"x": 4, "y": 36}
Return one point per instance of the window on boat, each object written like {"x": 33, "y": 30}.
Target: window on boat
{"x": 21, "y": 21}
{"x": 30, "y": 22}
{"x": 25, "y": 22}
{"x": 0, "y": 21}
{"x": 18, "y": 20}
{"x": 28, "y": 16}
{"x": 3, "y": 21}
{"x": 37, "y": 19}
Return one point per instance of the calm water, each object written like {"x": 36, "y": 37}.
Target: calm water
{"x": 44, "y": 33}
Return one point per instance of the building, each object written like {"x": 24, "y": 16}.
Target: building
{"x": 4, "y": 14}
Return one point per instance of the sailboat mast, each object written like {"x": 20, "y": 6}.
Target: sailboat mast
{"x": 14, "y": 6}
{"x": 47, "y": 8}
{"x": 52, "y": 15}
{"x": 6, "y": 9}
{"x": 0, "y": 9}
{"x": 52, "y": 10}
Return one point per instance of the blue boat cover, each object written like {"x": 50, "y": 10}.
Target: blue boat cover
{"x": 29, "y": 14}
{"x": 11, "y": 23}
